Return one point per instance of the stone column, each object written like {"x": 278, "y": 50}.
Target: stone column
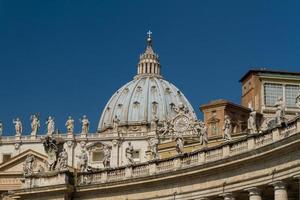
{"x": 228, "y": 196}
{"x": 254, "y": 193}
{"x": 280, "y": 191}
{"x": 297, "y": 177}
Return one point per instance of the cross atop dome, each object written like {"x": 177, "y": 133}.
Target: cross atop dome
{"x": 149, "y": 39}
{"x": 149, "y": 33}
{"x": 149, "y": 60}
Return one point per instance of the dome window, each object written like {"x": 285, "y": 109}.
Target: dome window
{"x": 139, "y": 89}
{"x": 153, "y": 88}
{"x": 172, "y": 105}
{"x": 168, "y": 90}
{"x": 136, "y": 104}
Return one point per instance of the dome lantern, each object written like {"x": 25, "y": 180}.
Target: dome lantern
{"x": 149, "y": 60}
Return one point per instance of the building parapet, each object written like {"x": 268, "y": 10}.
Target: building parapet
{"x": 197, "y": 158}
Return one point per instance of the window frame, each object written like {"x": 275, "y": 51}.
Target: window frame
{"x": 284, "y": 84}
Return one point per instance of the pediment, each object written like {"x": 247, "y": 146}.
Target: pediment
{"x": 213, "y": 120}
{"x": 96, "y": 145}
{"x": 15, "y": 164}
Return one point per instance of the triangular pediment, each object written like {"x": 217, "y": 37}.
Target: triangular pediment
{"x": 213, "y": 120}
{"x": 15, "y": 164}
{"x": 96, "y": 145}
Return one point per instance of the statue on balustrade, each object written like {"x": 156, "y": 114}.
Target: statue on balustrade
{"x": 85, "y": 125}
{"x": 107, "y": 156}
{"x": 280, "y": 111}
{"x": 203, "y": 133}
{"x": 50, "y": 126}
{"x": 252, "y": 123}
{"x": 298, "y": 100}
{"x": 227, "y": 128}
{"x": 83, "y": 161}
{"x": 153, "y": 144}
{"x": 129, "y": 153}
{"x": 70, "y": 125}
{"x": 63, "y": 160}
{"x": 1, "y": 128}
{"x": 179, "y": 145}
{"x": 28, "y": 166}
{"x": 35, "y": 124}
{"x": 18, "y": 126}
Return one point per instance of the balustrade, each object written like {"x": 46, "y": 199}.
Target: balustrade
{"x": 189, "y": 160}
{"x": 214, "y": 154}
{"x": 142, "y": 170}
{"x": 287, "y": 131}
{"x": 116, "y": 175}
{"x": 239, "y": 147}
{"x": 264, "y": 139}
{"x": 165, "y": 166}
{"x": 197, "y": 158}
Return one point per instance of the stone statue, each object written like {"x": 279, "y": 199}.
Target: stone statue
{"x": 179, "y": 145}
{"x": 1, "y": 128}
{"x": 41, "y": 169}
{"x": 180, "y": 109}
{"x": 35, "y": 124}
{"x": 116, "y": 122}
{"x": 203, "y": 133}
{"x": 129, "y": 153}
{"x": 52, "y": 149}
{"x": 154, "y": 123}
{"x": 153, "y": 144}
{"x": 298, "y": 100}
{"x": 29, "y": 165}
{"x": 70, "y": 125}
{"x": 50, "y": 126}
{"x": 17, "y": 145}
{"x": 107, "y": 156}
{"x": 166, "y": 128}
{"x": 83, "y": 161}
{"x": 85, "y": 125}
{"x": 18, "y": 126}
{"x": 252, "y": 123}
{"x": 63, "y": 160}
{"x": 227, "y": 128}
{"x": 280, "y": 111}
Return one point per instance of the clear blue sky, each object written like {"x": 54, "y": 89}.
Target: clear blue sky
{"x": 67, "y": 57}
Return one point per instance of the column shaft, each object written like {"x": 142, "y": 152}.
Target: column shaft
{"x": 280, "y": 191}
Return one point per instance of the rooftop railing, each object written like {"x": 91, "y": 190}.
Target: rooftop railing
{"x": 199, "y": 157}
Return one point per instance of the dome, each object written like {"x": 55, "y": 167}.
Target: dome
{"x": 144, "y": 99}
